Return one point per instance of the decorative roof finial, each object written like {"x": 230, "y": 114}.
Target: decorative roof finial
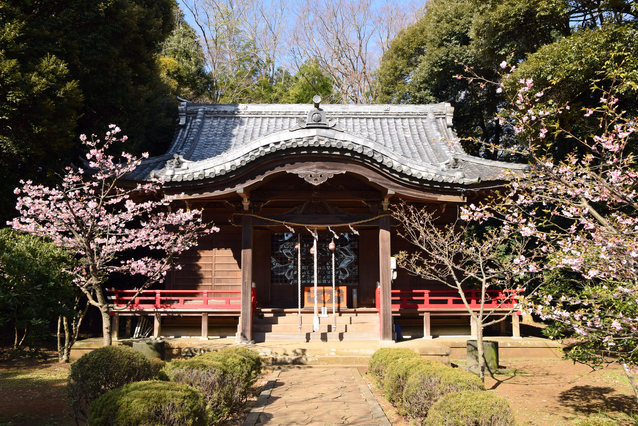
{"x": 317, "y": 116}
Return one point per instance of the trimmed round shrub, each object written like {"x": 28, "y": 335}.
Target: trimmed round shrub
{"x": 397, "y": 373}
{"x": 222, "y": 391}
{"x": 152, "y": 403}
{"x": 425, "y": 386}
{"x": 224, "y": 378}
{"x": 381, "y": 358}
{"x": 103, "y": 370}
{"x": 475, "y": 408}
{"x": 238, "y": 361}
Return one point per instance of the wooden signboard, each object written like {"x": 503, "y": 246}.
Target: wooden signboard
{"x": 324, "y": 296}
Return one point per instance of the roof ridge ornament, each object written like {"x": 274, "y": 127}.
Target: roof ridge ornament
{"x": 316, "y": 118}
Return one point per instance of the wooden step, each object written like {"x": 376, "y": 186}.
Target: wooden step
{"x": 313, "y": 336}
{"x": 284, "y": 326}
{"x": 267, "y": 318}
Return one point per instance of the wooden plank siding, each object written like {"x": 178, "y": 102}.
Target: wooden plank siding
{"x": 213, "y": 265}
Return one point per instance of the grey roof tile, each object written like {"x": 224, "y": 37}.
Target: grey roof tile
{"x": 415, "y": 141}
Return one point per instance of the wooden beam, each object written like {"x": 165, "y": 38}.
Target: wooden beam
{"x": 427, "y": 325}
{"x": 115, "y": 326}
{"x": 245, "y": 198}
{"x": 347, "y": 195}
{"x": 385, "y": 280}
{"x": 473, "y": 327}
{"x": 204, "y": 325}
{"x": 157, "y": 325}
{"x": 128, "y": 327}
{"x": 516, "y": 326}
{"x": 244, "y": 328}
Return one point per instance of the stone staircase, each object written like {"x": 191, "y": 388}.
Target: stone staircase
{"x": 279, "y": 325}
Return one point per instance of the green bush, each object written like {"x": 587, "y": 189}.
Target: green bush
{"x": 475, "y": 408}
{"x": 239, "y": 361}
{"x": 383, "y": 357}
{"x": 224, "y": 378}
{"x": 151, "y": 403}
{"x": 397, "y": 373}
{"x": 103, "y": 370}
{"x": 223, "y": 392}
{"x": 426, "y": 386}
{"x": 156, "y": 367}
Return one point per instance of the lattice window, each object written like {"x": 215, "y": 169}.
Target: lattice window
{"x": 284, "y": 269}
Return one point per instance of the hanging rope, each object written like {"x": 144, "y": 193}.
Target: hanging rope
{"x": 315, "y": 249}
{"x": 299, "y": 283}
{"x": 334, "y": 234}
{"x": 334, "y": 294}
{"x": 306, "y": 225}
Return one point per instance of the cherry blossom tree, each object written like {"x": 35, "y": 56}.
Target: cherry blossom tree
{"x": 464, "y": 258}
{"x": 103, "y": 220}
{"x": 582, "y": 211}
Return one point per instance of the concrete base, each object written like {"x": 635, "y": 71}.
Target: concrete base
{"x": 442, "y": 349}
{"x": 85, "y": 346}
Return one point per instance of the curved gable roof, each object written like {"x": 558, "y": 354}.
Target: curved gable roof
{"x": 413, "y": 142}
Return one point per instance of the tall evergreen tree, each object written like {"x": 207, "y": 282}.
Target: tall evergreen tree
{"x": 72, "y": 66}
{"x": 567, "y": 44}
{"x": 182, "y": 62}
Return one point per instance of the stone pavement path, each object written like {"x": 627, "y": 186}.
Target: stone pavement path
{"x": 316, "y": 396}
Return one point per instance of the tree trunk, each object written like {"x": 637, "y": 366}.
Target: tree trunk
{"x": 69, "y": 340}
{"x": 106, "y": 326}
{"x": 61, "y": 349}
{"x": 481, "y": 352}
{"x": 630, "y": 376}
{"x": 71, "y": 331}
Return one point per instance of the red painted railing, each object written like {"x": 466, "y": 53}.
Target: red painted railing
{"x": 180, "y": 299}
{"x": 450, "y": 299}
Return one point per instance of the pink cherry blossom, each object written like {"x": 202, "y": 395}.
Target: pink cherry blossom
{"x": 99, "y": 221}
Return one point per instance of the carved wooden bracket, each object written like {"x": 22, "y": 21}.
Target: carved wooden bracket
{"x": 316, "y": 177}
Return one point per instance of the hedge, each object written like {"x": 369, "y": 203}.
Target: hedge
{"x": 150, "y": 403}
{"x": 397, "y": 374}
{"x": 223, "y": 378}
{"x": 475, "y": 408}
{"x": 103, "y": 370}
{"x": 425, "y": 387}
{"x": 382, "y": 358}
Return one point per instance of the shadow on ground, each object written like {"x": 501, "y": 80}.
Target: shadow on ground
{"x": 595, "y": 399}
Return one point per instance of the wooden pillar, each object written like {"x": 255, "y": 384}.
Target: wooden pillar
{"x": 516, "y": 326}
{"x": 115, "y": 326}
{"x": 205, "y": 325}
{"x": 128, "y": 327}
{"x": 385, "y": 280}
{"x": 427, "y": 326}
{"x": 157, "y": 325}
{"x": 244, "y": 328}
{"x": 504, "y": 325}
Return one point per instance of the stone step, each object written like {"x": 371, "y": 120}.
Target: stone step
{"x": 326, "y": 328}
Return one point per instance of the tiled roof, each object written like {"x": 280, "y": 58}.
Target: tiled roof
{"x": 413, "y": 142}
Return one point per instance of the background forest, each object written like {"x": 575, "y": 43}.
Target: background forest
{"x": 70, "y": 67}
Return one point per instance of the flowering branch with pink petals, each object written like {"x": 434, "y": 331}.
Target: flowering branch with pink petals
{"x": 581, "y": 209}
{"x": 101, "y": 218}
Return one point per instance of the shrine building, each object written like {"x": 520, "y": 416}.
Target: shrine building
{"x": 302, "y": 195}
